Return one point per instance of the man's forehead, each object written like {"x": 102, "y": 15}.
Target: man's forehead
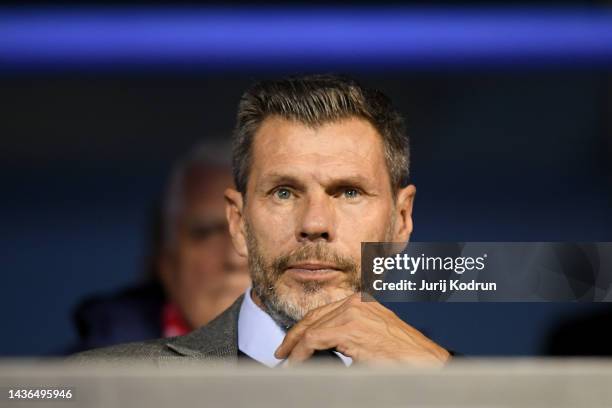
{"x": 206, "y": 179}
{"x": 203, "y": 187}
{"x": 350, "y": 146}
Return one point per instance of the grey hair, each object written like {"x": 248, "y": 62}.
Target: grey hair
{"x": 315, "y": 100}
{"x": 205, "y": 155}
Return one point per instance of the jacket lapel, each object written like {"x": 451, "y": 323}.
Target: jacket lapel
{"x": 218, "y": 339}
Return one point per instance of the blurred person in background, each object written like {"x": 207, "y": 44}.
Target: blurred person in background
{"x": 195, "y": 271}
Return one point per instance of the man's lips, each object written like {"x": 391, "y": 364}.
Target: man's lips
{"x": 313, "y": 271}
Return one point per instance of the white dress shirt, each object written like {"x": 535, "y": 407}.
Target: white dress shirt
{"x": 259, "y": 336}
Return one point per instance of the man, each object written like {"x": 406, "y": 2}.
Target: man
{"x": 199, "y": 268}
{"x": 195, "y": 273}
{"x": 320, "y": 165}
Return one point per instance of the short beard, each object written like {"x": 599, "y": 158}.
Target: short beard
{"x": 285, "y": 310}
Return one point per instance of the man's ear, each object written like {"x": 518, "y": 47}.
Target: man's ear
{"x": 403, "y": 218}
{"x": 234, "y": 213}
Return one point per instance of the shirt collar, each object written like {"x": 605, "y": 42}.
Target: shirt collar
{"x": 259, "y": 336}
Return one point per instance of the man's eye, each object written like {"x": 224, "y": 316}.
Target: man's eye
{"x": 351, "y": 193}
{"x": 283, "y": 193}
{"x": 201, "y": 232}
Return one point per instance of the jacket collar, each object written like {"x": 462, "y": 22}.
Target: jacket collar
{"x": 217, "y": 339}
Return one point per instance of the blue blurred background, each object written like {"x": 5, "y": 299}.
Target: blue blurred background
{"x": 509, "y": 110}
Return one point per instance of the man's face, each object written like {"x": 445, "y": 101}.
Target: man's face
{"x": 313, "y": 196}
{"x": 201, "y": 269}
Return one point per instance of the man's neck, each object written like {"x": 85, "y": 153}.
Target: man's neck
{"x": 282, "y": 320}
{"x": 256, "y": 300}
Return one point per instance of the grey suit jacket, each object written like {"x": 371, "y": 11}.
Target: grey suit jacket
{"x": 218, "y": 340}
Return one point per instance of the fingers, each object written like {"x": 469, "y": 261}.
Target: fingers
{"x": 364, "y": 331}
{"x": 316, "y": 339}
{"x": 293, "y": 336}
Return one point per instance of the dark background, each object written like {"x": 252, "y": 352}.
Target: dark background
{"x": 497, "y": 155}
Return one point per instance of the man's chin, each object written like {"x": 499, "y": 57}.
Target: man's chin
{"x": 297, "y": 301}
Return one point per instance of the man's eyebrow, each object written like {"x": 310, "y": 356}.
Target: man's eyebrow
{"x": 348, "y": 181}
{"x": 332, "y": 184}
{"x": 280, "y": 178}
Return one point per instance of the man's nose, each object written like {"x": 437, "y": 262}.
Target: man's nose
{"x": 317, "y": 219}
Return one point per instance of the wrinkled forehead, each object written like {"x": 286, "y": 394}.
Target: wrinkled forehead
{"x": 347, "y": 148}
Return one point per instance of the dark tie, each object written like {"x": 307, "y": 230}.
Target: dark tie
{"x": 327, "y": 356}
